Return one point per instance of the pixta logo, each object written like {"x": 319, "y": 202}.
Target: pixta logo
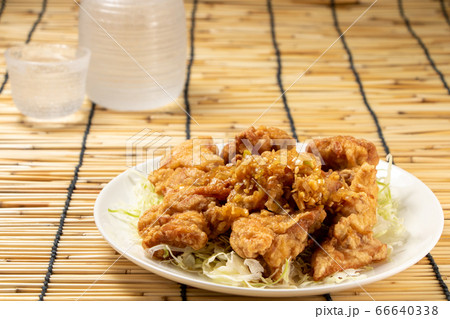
{"x": 144, "y": 147}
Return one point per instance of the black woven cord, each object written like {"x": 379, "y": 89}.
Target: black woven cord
{"x": 30, "y": 34}
{"x": 422, "y": 45}
{"x": 279, "y": 69}
{"x": 183, "y": 292}
{"x": 444, "y": 11}
{"x": 2, "y": 8}
{"x": 188, "y": 73}
{"x": 5, "y": 80}
{"x": 328, "y": 297}
{"x": 439, "y": 276}
{"x": 183, "y": 287}
{"x": 38, "y": 20}
{"x": 444, "y": 82}
{"x": 62, "y": 218}
{"x": 380, "y": 133}
{"x": 358, "y": 79}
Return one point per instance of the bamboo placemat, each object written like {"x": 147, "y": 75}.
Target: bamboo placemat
{"x": 400, "y": 62}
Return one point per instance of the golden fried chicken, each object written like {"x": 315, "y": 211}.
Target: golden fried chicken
{"x": 179, "y": 219}
{"x": 202, "y": 199}
{"x": 257, "y": 141}
{"x": 200, "y": 153}
{"x": 194, "y": 162}
{"x": 192, "y": 179}
{"x": 359, "y": 196}
{"x": 275, "y": 237}
{"x": 166, "y": 179}
{"x": 350, "y": 243}
{"x": 271, "y": 198}
{"x": 205, "y": 218}
{"x": 216, "y": 183}
{"x": 188, "y": 228}
{"x": 340, "y": 152}
{"x": 264, "y": 181}
{"x": 220, "y": 218}
{"x": 333, "y": 256}
{"x": 176, "y": 201}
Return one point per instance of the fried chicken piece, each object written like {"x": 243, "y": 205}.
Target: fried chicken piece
{"x": 201, "y": 199}
{"x": 351, "y": 195}
{"x": 166, "y": 179}
{"x": 359, "y": 197}
{"x": 350, "y": 243}
{"x": 188, "y": 164}
{"x": 264, "y": 181}
{"x": 177, "y": 221}
{"x": 250, "y": 238}
{"x": 365, "y": 180}
{"x": 174, "y": 202}
{"x": 275, "y": 237}
{"x": 258, "y": 141}
{"x": 220, "y": 218}
{"x": 335, "y": 257}
{"x": 200, "y": 153}
{"x": 187, "y": 220}
{"x": 190, "y": 190}
{"x": 340, "y": 152}
{"x": 216, "y": 183}
{"x": 188, "y": 228}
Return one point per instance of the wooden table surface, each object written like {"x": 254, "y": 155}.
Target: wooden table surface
{"x": 392, "y": 65}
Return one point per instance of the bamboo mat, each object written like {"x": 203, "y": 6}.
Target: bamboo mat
{"x": 233, "y": 80}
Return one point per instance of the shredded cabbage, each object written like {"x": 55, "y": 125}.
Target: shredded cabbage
{"x": 218, "y": 262}
{"x": 389, "y": 227}
{"x": 144, "y": 197}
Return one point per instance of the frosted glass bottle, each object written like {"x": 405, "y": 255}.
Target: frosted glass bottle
{"x": 132, "y": 41}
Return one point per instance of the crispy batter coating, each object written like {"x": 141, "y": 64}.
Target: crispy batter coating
{"x": 275, "y": 237}
{"x": 350, "y": 243}
{"x": 200, "y": 153}
{"x": 208, "y": 219}
{"x": 340, "y": 152}
{"x": 336, "y": 257}
{"x": 175, "y": 202}
{"x": 257, "y": 141}
{"x": 193, "y": 163}
{"x": 203, "y": 198}
{"x": 184, "y": 229}
{"x": 177, "y": 221}
{"x": 192, "y": 180}
{"x": 220, "y": 218}
{"x": 358, "y": 197}
{"x": 166, "y": 179}
{"x": 216, "y": 183}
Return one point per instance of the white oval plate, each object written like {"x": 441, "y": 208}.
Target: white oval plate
{"x": 420, "y": 209}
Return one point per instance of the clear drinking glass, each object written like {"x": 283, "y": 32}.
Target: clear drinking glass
{"x": 131, "y": 42}
{"x": 47, "y": 80}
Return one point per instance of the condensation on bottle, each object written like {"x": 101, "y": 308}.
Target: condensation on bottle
{"x": 138, "y": 50}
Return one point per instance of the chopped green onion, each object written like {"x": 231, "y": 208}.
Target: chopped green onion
{"x": 308, "y": 163}
{"x": 124, "y": 211}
